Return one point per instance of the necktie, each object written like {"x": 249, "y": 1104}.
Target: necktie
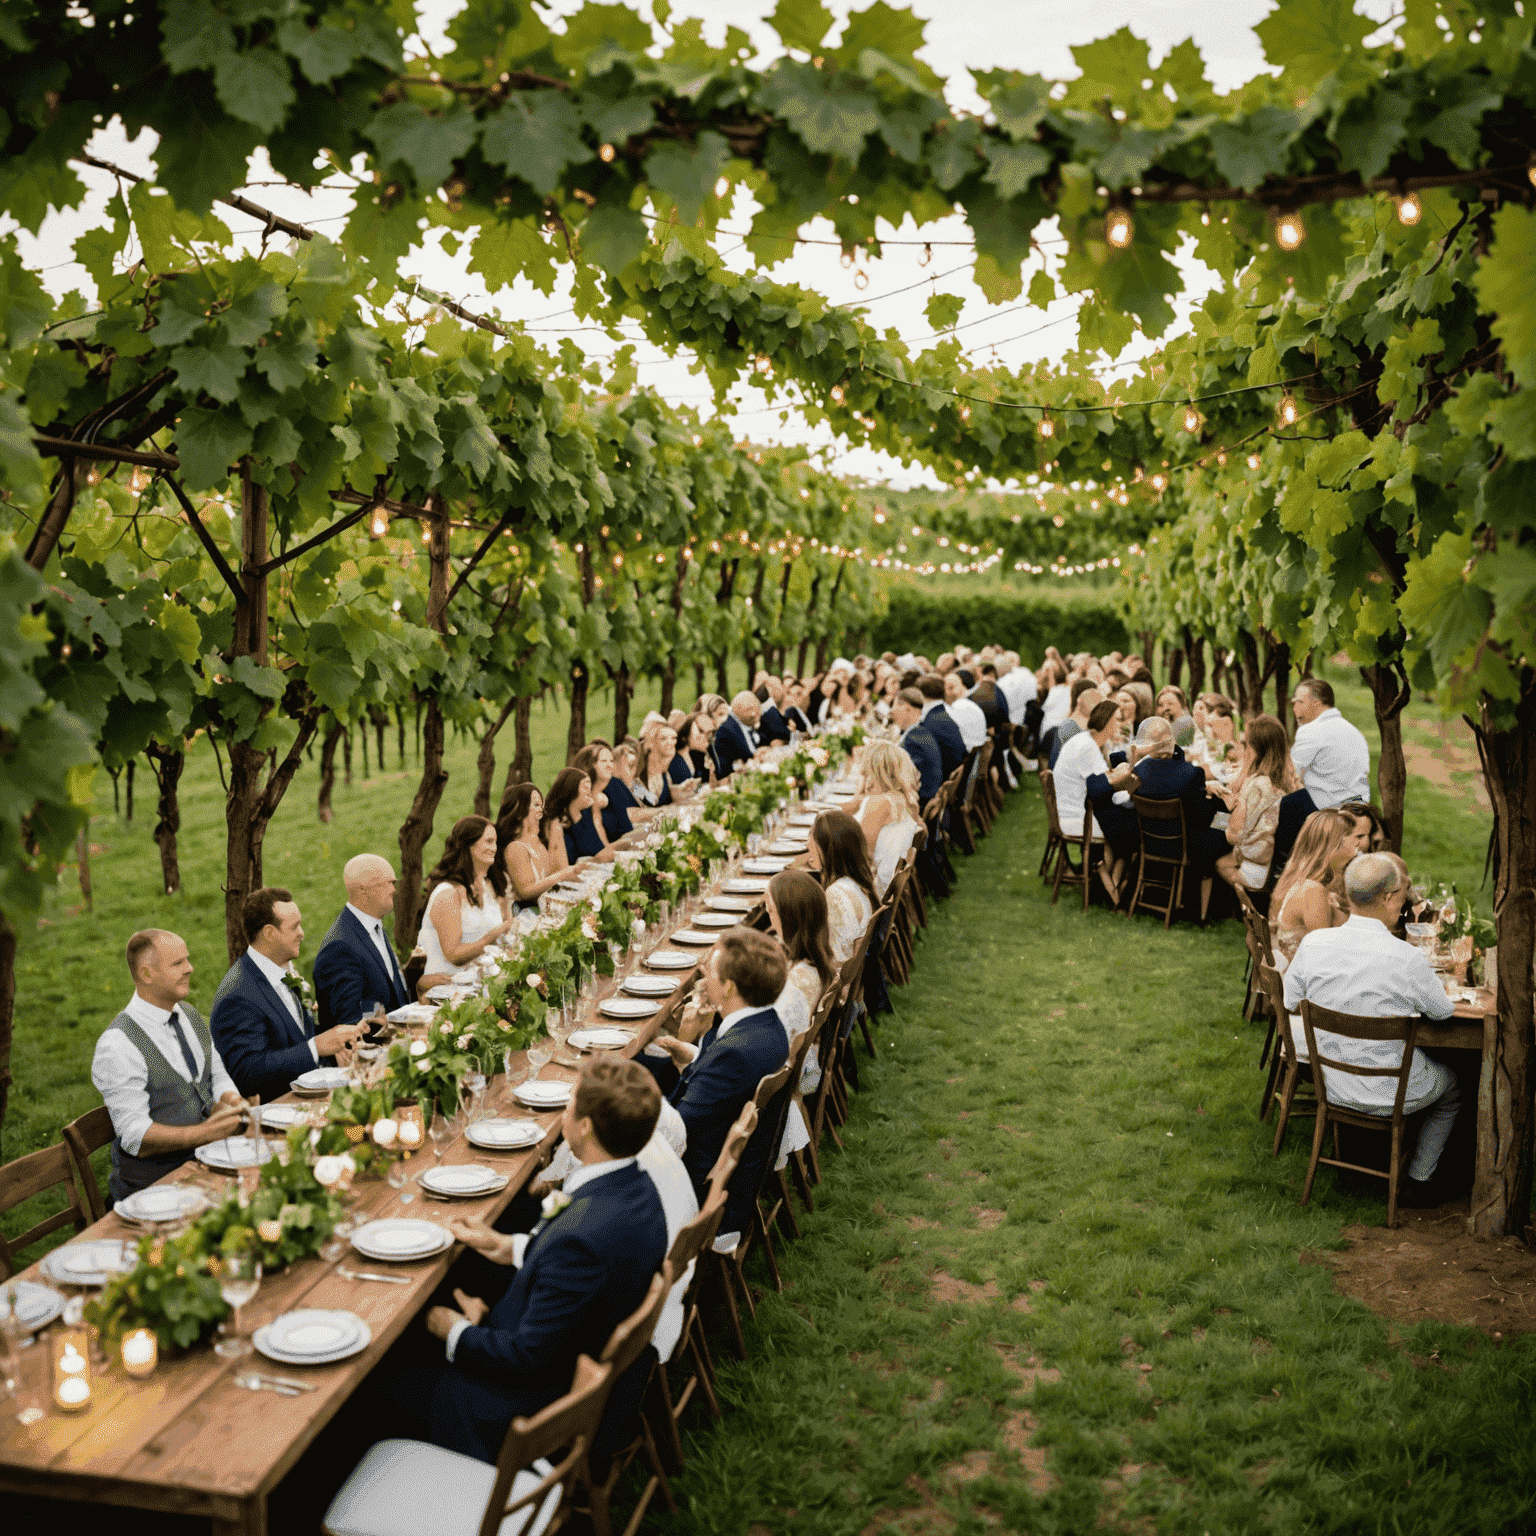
{"x": 394, "y": 965}
{"x": 193, "y": 1070}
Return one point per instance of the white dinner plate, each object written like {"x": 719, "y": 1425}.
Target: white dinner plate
{"x": 463, "y": 1179}
{"x": 261, "y": 1338}
{"x": 161, "y": 1202}
{"x": 540, "y": 1094}
{"x": 234, "y": 1152}
{"x": 443, "y": 992}
{"x": 717, "y": 919}
{"x": 694, "y": 936}
{"x": 746, "y": 887}
{"x": 312, "y": 1331}
{"x": 400, "y": 1237}
{"x": 413, "y": 1013}
{"x": 804, "y": 820}
{"x": 765, "y": 866}
{"x": 602, "y": 1037}
{"x": 501, "y": 1135}
{"x": 626, "y": 1008}
{"x": 729, "y": 904}
{"x": 791, "y": 850}
{"x": 327, "y": 1078}
{"x": 278, "y": 1117}
{"x": 36, "y": 1305}
{"x": 672, "y": 960}
{"x": 89, "y": 1263}
{"x": 641, "y": 985}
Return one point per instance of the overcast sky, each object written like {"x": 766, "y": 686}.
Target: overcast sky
{"x": 1033, "y": 35}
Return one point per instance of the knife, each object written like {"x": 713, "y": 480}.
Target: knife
{"x": 289, "y": 1381}
{"x": 364, "y": 1274}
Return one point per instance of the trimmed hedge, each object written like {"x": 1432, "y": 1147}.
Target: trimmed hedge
{"x": 929, "y": 623}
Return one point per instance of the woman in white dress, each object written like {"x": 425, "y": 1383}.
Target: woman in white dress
{"x": 889, "y": 814}
{"x": 464, "y": 913}
{"x": 525, "y": 858}
{"x": 797, "y": 914}
{"x": 839, "y": 853}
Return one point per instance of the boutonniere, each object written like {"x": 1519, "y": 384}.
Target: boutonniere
{"x": 300, "y": 988}
{"x": 554, "y": 1202}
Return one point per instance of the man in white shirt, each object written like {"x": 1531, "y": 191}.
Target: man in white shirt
{"x": 157, "y": 1070}
{"x": 1332, "y": 757}
{"x": 966, "y": 713}
{"x": 1056, "y": 703}
{"x": 1016, "y": 684}
{"x": 1361, "y": 969}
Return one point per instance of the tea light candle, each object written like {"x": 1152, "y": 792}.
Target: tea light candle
{"x": 141, "y": 1352}
{"x": 410, "y": 1134}
{"x": 71, "y": 1375}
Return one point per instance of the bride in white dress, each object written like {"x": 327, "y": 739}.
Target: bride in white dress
{"x": 464, "y": 914}
{"x": 797, "y": 913}
{"x": 889, "y": 814}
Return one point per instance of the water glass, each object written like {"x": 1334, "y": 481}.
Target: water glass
{"x": 472, "y": 1096}
{"x": 754, "y": 842}
{"x": 399, "y": 1180}
{"x": 437, "y": 1131}
{"x": 239, "y": 1281}
{"x": 539, "y": 1055}
{"x": 516, "y": 1071}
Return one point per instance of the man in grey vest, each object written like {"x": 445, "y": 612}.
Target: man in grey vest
{"x": 157, "y": 1070}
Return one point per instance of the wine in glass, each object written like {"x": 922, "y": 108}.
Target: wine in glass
{"x": 239, "y": 1280}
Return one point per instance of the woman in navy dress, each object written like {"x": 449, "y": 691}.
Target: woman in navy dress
{"x": 568, "y": 814}
{"x": 609, "y": 814}
{"x": 692, "y": 760}
{"x": 658, "y": 750}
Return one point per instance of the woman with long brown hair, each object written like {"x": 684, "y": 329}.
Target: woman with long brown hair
{"x": 1265, "y": 774}
{"x": 463, "y": 913}
{"x": 521, "y": 850}
{"x": 1310, "y": 893}
{"x": 797, "y": 913}
{"x": 837, "y": 850}
{"x": 569, "y": 796}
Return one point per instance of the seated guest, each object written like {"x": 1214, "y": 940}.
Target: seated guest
{"x": 356, "y": 965}
{"x": 568, "y": 821}
{"x": 736, "y": 740}
{"x": 1359, "y": 968}
{"x": 1086, "y": 697}
{"x": 838, "y": 853}
{"x": 794, "y": 709}
{"x": 1253, "y": 798}
{"x": 694, "y": 763}
{"x": 652, "y": 783}
{"x": 708, "y": 1083}
{"x": 917, "y": 741}
{"x": 1174, "y": 708}
{"x": 626, "y": 764}
{"x": 158, "y": 1072}
{"x": 713, "y": 708}
{"x": 1331, "y": 755}
{"x": 521, "y": 849}
{"x": 264, "y": 1032}
{"x": 988, "y": 699}
{"x": 889, "y": 815}
{"x": 463, "y": 915}
{"x": 771, "y": 725}
{"x": 797, "y": 917}
{"x": 1310, "y": 894}
{"x": 1081, "y": 772}
{"x": 1370, "y": 826}
{"x": 583, "y": 1270}
{"x": 1017, "y": 684}
{"x": 965, "y": 714}
{"x": 823, "y": 700}
{"x": 940, "y": 724}
{"x": 608, "y": 815}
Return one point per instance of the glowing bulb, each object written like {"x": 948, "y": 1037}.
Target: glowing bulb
{"x": 378, "y": 524}
{"x": 1191, "y": 420}
{"x": 965, "y": 413}
{"x": 1119, "y": 228}
{"x": 1221, "y": 459}
{"x": 607, "y": 154}
{"x": 1047, "y": 427}
{"x": 722, "y": 186}
{"x": 1288, "y": 410}
{"x": 1289, "y": 231}
{"x": 1409, "y": 209}
{"x": 838, "y": 394}
{"x": 1253, "y": 461}
{"x": 1159, "y": 482}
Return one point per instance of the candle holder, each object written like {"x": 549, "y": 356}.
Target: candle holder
{"x": 72, "y": 1370}
{"x": 141, "y": 1352}
{"x": 411, "y": 1132}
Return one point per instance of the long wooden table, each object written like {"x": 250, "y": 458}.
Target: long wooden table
{"x": 188, "y": 1440}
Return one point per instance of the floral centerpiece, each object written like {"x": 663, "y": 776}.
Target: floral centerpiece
{"x": 353, "y": 1114}
{"x": 174, "y": 1288}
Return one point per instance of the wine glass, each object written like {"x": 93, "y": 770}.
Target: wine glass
{"x": 472, "y": 1097}
{"x": 438, "y": 1131}
{"x": 239, "y": 1280}
{"x": 509, "y": 1065}
{"x": 399, "y": 1180}
{"x": 540, "y": 1054}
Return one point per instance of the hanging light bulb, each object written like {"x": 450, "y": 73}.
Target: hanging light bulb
{"x": 1192, "y": 420}
{"x": 722, "y": 186}
{"x": 607, "y": 154}
{"x": 1221, "y": 458}
{"x": 1289, "y": 230}
{"x": 965, "y": 413}
{"x": 1119, "y": 228}
{"x": 1047, "y": 427}
{"x": 1253, "y": 461}
{"x": 378, "y": 524}
{"x": 838, "y": 394}
{"x": 1409, "y": 209}
{"x": 1159, "y": 482}
{"x": 1289, "y": 411}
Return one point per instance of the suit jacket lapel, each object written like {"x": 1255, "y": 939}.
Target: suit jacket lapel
{"x": 375, "y": 961}
{"x": 275, "y": 1005}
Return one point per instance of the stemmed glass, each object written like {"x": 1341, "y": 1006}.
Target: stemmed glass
{"x": 239, "y": 1280}
{"x": 438, "y": 1132}
{"x": 472, "y": 1098}
{"x": 515, "y": 1074}
{"x": 399, "y": 1180}
{"x": 540, "y": 1054}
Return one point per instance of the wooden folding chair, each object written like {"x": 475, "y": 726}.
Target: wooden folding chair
{"x": 896, "y": 952}
{"x": 35, "y": 1174}
{"x": 877, "y": 924}
{"x": 780, "y": 1210}
{"x": 1164, "y": 846}
{"x": 1256, "y": 932}
{"x": 731, "y": 1266}
{"x": 1066, "y": 873}
{"x": 916, "y": 896}
{"x": 83, "y": 1136}
{"x": 626, "y": 1345}
{"x": 1053, "y": 837}
{"x": 688, "y": 1248}
{"x": 1295, "y": 1074}
{"x": 413, "y": 1486}
{"x": 1354, "y": 1027}
{"x": 822, "y": 1110}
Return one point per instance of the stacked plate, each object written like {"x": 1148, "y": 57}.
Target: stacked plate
{"x": 805, "y": 819}
{"x": 672, "y": 960}
{"x": 320, "y": 1080}
{"x": 728, "y": 904}
{"x": 233, "y": 1154}
{"x": 538, "y": 1093}
{"x": 746, "y": 887}
{"x": 785, "y": 846}
{"x": 445, "y": 992}
{"x": 36, "y": 1305}
{"x": 765, "y": 866}
{"x": 161, "y": 1202}
{"x": 641, "y": 985}
{"x": 413, "y": 1013}
{"x": 278, "y": 1117}
{"x": 499, "y": 1135}
{"x": 627, "y": 1007}
{"x": 90, "y": 1263}
{"x": 693, "y": 936}
{"x": 400, "y": 1238}
{"x": 312, "y": 1337}
{"x": 717, "y": 919}
{"x": 602, "y": 1037}
{"x": 466, "y": 1181}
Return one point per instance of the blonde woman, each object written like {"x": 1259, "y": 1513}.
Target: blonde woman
{"x": 658, "y": 746}
{"x": 1310, "y": 894}
{"x": 1253, "y": 798}
{"x": 889, "y": 816}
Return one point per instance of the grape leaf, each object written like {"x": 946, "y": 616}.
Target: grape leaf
{"x": 687, "y": 173}
{"x": 801, "y": 23}
{"x": 1313, "y": 38}
{"x": 599, "y": 36}
{"x": 194, "y": 35}
{"x": 255, "y": 86}
{"x": 1013, "y": 166}
{"x": 215, "y": 370}
{"x": 201, "y": 157}
{"x": 1369, "y": 131}
{"x": 1018, "y": 101}
{"x": 833, "y": 114}
{"x": 207, "y": 443}
{"x": 535, "y": 136}
{"x": 506, "y": 249}
{"x": 428, "y": 145}
{"x": 942, "y": 310}
{"x": 1254, "y": 147}
{"x": 322, "y": 51}
{"x": 1042, "y": 290}
{"x": 1113, "y": 66}
{"x": 1503, "y": 284}
{"x": 881, "y": 29}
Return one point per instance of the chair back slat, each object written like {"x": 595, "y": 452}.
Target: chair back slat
{"x": 1356, "y": 1027}
{"x": 627, "y": 1342}
{"x": 35, "y": 1174}
{"x": 699, "y": 1233}
{"x": 1052, "y": 811}
{"x": 736, "y": 1140}
{"x": 83, "y": 1136}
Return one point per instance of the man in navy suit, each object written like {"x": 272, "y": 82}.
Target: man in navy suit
{"x": 918, "y": 743}
{"x": 771, "y": 724}
{"x": 263, "y": 1030}
{"x": 736, "y": 740}
{"x": 743, "y": 975}
{"x": 356, "y": 966}
{"x": 580, "y": 1272}
{"x": 940, "y": 724}
{"x": 794, "y": 706}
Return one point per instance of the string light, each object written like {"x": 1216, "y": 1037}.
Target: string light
{"x": 1119, "y": 228}
{"x": 378, "y": 524}
{"x": 1192, "y": 420}
{"x": 1253, "y": 461}
{"x": 1289, "y": 230}
{"x": 1047, "y": 427}
{"x": 1289, "y": 410}
{"x": 1409, "y": 209}
{"x": 607, "y": 154}
{"x": 839, "y": 394}
{"x": 722, "y": 186}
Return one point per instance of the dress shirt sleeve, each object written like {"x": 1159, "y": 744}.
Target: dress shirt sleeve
{"x": 454, "y": 1335}
{"x": 1425, "y": 987}
{"x": 1296, "y": 981}
{"x": 1304, "y": 750}
{"x": 222, "y": 1082}
{"x": 122, "y": 1080}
